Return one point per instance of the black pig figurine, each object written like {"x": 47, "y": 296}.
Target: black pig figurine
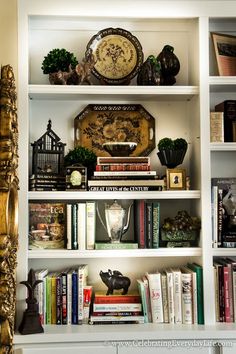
{"x": 114, "y": 281}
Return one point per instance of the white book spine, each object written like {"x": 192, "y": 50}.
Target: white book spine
{"x": 81, "y": 225}
{"x": 177, "y": 296}
{"x": 69, "y": 296}
{"x": 156, "y": 297}
{"x": 165, "y": 297}
{"x": 194, "y": 296}
{"x": 187, "y": 301}
{"x": 170, "y": 293}
{"x": 117, "y": 307}
{"x": 90, "y": 224}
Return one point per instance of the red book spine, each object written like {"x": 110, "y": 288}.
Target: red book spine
{"x": 123, "y": 167}
{"x": 117, "y": 299}
{"x": 226, "y": 294}
{"x": 142, "y": 243}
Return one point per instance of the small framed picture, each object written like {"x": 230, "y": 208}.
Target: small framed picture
{"x": 225, "y": 52}
{"x": 176, "y": 178}
{"x": 76, "y": 178}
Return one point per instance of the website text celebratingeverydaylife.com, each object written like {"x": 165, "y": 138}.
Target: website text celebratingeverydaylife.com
{"x": 170, "y": 344}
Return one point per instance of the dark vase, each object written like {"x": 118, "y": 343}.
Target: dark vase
{"x": 170, "y": 65}
{"x": 150, "y": 72}
{"x": 171, "y": 158}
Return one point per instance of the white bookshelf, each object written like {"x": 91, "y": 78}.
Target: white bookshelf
{"x": 181, "y": 110}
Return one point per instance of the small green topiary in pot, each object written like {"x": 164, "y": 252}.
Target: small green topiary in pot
{"x": 58, "y": 59}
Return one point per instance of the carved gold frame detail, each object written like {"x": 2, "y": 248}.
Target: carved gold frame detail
{"x": 8, "y": 207}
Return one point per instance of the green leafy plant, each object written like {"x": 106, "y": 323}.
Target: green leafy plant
{"x": 58, "y": 59}
{"x": 81, "y": 155}
{"x": 169, "y": 144}
{"x": 165, "y": 144}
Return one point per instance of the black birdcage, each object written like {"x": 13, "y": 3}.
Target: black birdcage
{"x": 48, "y": 162}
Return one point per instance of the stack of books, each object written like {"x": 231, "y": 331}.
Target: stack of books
{"x": 47, "y": 182}
{"x": 116, "y": 309}
{"x": 124, "y": 174}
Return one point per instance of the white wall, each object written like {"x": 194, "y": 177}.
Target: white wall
{"x": 8, "y": 33}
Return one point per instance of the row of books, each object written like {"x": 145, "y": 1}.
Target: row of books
{"x": 116, "y": 309}
{"x": 223, "y": 122}
{"x": 225, "y": 289}
{"x": 224, "y": 212}
{"x": 174, "y": 295}
{"x": 64, "y": 297}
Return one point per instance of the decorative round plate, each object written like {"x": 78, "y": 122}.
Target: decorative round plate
{"x": 118, "y": 55}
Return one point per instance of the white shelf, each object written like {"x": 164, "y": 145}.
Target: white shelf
{"x": 75, "y": 254}
{"x": 148, "y": 331}
{"x": 69, "y": 195}
{"x": 222, "y": 83}
{"x": 224, "y": 252}
{"x": 150, "y": 93}
{"x": 223, "y": 146}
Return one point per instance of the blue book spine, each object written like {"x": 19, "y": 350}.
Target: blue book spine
{"x": 74, "y": 297}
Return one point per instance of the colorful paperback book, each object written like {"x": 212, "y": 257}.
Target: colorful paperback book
{"x": 47, "y": 225}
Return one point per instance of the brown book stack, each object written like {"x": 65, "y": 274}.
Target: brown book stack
{"x": 228, "y": 108}
{"x": 124, "y": 174}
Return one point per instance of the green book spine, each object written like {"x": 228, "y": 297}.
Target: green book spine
{"x": 200, "y": 301}
{"x": 143, "y": 298}
{"x": 49, "y": 300}
{"x": 156, "y": 225}
{"x": 115, "y": 246}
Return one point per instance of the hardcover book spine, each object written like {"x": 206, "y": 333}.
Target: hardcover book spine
{"x": 90, "y": 224}
{"x": 165, "y": 297}
{"x": 106, "y": 299}
{"x": 124, "y": 188}
{"x": 216, "y": 127}
{"x": 220, "y": 217}
{"x": 74, "y": 299}
{"x": 234, "y": 292}
{"x": 149, "y": 223}
{"x": 69, "y": 225}
{"x": 143, "y": 299}
{"x": 53, "y": 299}
{"x": 64, "y": 298}
{"x": 187, "y": 300}
{"x": 69, "y": 297}
{"x": 170, "y": 292}
{"x": 117, "y": 307}
{"x": 156, "y": 225}
{"x": 58, "y": 300}
{"x": 228, "y": 108}
{"x": 123, "y": 167}
{"x": 49, "y": 300}
{"x": 156, "y": 297}
{"x": 74, "y": 231}
{"x": 226, "y": 294}
{"x": 177, "y": 296}
{"x": 81, "y": 225}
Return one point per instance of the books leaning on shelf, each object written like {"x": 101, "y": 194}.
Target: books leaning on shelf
{"x": 223, "y": 212}
{"x": 174, "y": 295}
{"x": 225, "y": 289}
{"x": 64, "y": 297}
{"x": 116, "y": 309}
{"x": 216, "y": 127}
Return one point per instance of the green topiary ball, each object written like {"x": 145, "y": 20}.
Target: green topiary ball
{"x": 58, "y": 59}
